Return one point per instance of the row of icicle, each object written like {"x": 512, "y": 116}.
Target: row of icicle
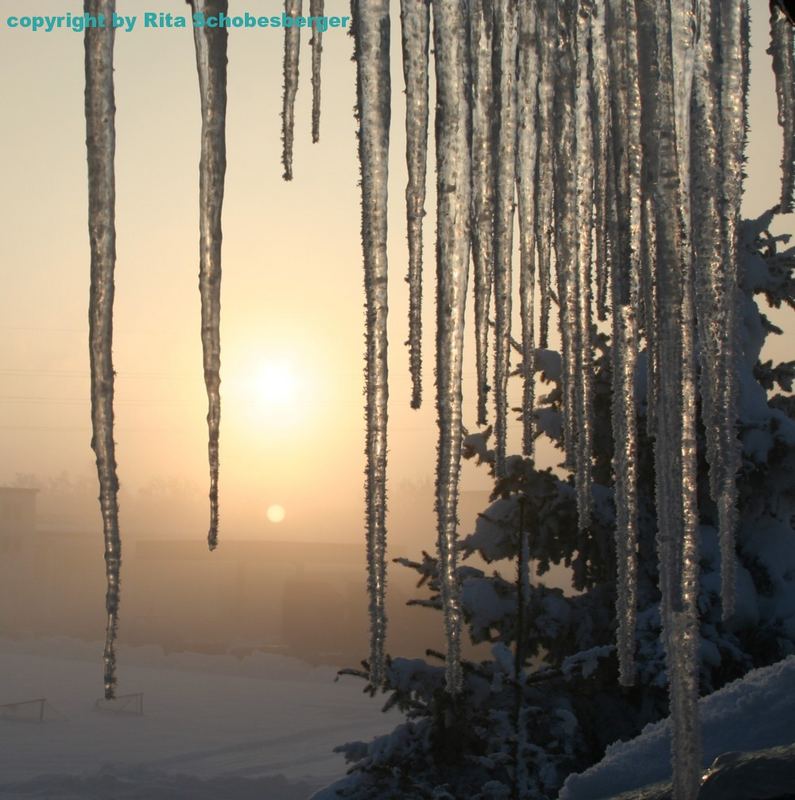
{"x": 602, "y": 123}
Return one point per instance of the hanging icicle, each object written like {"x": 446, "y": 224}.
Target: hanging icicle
{"x": 734, "y": 129}
{"x": 583, "y": 344}
{"x": 625, "y": 469}
{"x": 544, "y": 190}
{"x": 481, "y": 33}
{"x": 292, "y": 51}
{"x": 566, "y": 208}
{"x": 373, "y": 92}
{"x": 506, "y": 30}
{"x": 527, "y": 148}
{"x": 415, "y": 27}
{"x": 101, "y": 149}
{"x": 717, "y": 164}
{"x": 626, "y": 158}
{"x": 316, "y": 10}
{"x": 782, "y": 48}
{"x": 666, "y": 48}
{"x": 601, "y": 128}
{"x": 210, "y": 46}
{"x": 453, "y": 165}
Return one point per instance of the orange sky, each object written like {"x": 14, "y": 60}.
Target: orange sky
{"x": 292, "y": 268}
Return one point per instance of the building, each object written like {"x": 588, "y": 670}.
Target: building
{"x": 17, "y": 518}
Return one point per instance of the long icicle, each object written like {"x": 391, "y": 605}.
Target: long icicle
{"x": 544, "y": 191}
{"x": 601, "y": 125}
{"x": 453, "y": 123}
{"x": 734, "y": 127}
{"x": 506, "y": 29}
{"x": 718, "y": 141}
{"x": 782, "y": 48}
{"x": 659, "y": 152}
{"x": 316, "y": 10}
{"x": 566, "y": 223}
{"x": 481, "y": 35}
{"x": 210, "y": 46}
{"x": 666, "y": 51}
{"x": 684, "y": 643}
{"x": 373, "y": 91}
{"x": 101, "y": 149}
{"x": 527, "y": 147}
{"x": 415, "y": 28}
{"x": 292, "y": 51}
{"x": 583, "y": 345}
{"x": 627, "y": 157}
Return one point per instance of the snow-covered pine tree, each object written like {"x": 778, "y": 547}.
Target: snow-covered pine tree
{"x": 549, "y": 701}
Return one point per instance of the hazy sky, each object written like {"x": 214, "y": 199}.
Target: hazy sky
{"x": 292, "y": 291}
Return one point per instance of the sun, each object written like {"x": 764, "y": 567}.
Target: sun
{"x": 276, "y": 513}
{"x": 276, "y": 385}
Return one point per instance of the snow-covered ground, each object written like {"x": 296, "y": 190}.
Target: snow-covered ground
{"x": 213, "y": 726}
{"x": 754, "y": 713}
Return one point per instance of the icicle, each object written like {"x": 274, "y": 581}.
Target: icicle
{"x": 483, "y": 130}
{"x": 101, "y": 147}
{"x": 684, "y": 644}
{"x": 648, "y": 273}
{"x": 525, "y": 182}
{"x": 211, "y": 64}
{"x": 601, "y": 126}
{"x": 666, "y": 51}
{"x": 453, "y": 123}
{"x": 783, "y": 51}
{"x": 626, "y": 148}
{"x": 415, "y": 24}
{"x": 566, "y": 208}
{"x": 292, "y": 45}
{"x": 544, "y": 190}
{"x": 648, "y": 301}
{"x": 734, "y": 110}
{"x": 316, "y": 10}
{"x": 583, "y": 345}
{"x": 627, "y": 161}
{"x": 718, "y": 141}
{"x": 505, "y": 46}
{"x": 373, "y": 90}
{"x": 625, "y": 469}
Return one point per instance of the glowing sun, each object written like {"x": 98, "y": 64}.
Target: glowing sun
{"x": 276, "y": 513}
{"x": 276, "y": 385}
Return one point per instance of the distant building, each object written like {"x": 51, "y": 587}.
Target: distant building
{"x": 17, "y": 518}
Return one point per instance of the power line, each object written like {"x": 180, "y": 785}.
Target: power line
{"x": 56, "y": 373}
{"x": 57, "y": 401}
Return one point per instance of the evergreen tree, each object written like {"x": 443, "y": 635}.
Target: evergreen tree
{"x": 548, "y": 702}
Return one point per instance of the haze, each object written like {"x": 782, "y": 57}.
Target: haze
{"x": 292, "y": 428}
